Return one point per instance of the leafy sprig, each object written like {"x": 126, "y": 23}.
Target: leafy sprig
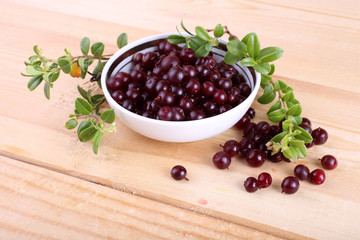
{"x": 94, "y": 124}
{"x": 247, "y": 51}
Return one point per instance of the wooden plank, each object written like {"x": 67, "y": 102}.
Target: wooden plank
{"x": 37, "y": 203}
{"x": 34, "y": 132}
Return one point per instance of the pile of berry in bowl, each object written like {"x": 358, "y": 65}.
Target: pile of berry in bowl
{"x": 163, "y": 91}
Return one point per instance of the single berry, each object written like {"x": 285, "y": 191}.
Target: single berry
{"x": 277, "y": 157}
{"x": 319, "y": 135}
{"x": 245, "y": 146}
{"x": 255, "y": 158}
{"x": 309, "y": 145}
{"x": 250, "y": 111}
{"x": 301, "y": 172}
{"x": 329, "y": 162}
{"x": 243, "y": 121}
{"x": 317, "y": 176}
{"x": 219, "y": 96}
{"x": 306, "y": 121}
{"x": 249, "y": 128}
{"x": 290, "y": 185}
{"x": 263, "y": 128}
{"x": 306, "y": 128}
{"x": 221, "y": 160}
{"x": 165, "y": 113}
{"x": 251, "y": 184}
{"x": 231, "y": 147}
{"x": 264, "y": 180}
{"x": 178, "y": 172}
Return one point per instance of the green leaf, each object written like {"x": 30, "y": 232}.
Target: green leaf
{"x": 301, "y": 150}
{"x": 176, "y": 39}
{"x": 272, "y": 70}
{"x": 230, "y": 58}
{"x": 54, "y": 76}
{"x": 202, "y": 33}
{"x": 246, "y": 38}
{"x": 64, "y": 64}
{"x": 33, "y": 70}
{"x": 36, "y": 50}
{"x": 218, "y": 31}
{"x": 294, "y": 110}
{"x": 185, "y": 29}
{"x": 97, "y": 98}
{"x": 253, "y": 45}
{"x": 291, "y": 154}
{"x": 97, "y": 139}
{"x": 280, "y": 85}
{"x": 277, "y": 138}
{"x": 270, "y": 54}
{"x": 47, "y": 90}
{"x": 108, "y": 116}
{"x": 85, "y": 45}
{"x": 296, "y": 120}
{"x": 277, "y": 115}
{"x": 97, "y": 49}
{"x": 32, "y": 59}
{"x": 305, "y": 136}
{"x": 286, "y": 124}
{"x": 196, "y": 42}
{"x": 288, "y": 97}
{"x": 71, "y": 123}
{"x": 268, "y": 95}
{"x": 275, "y": 106}
{"x": 87, "y": 134}
{"x": 83, "y": 106}
{"x": 83, "y": 125}
{"x": 82, "y": 92}
{"x": 81, "y": 62}
{"x": 122, "y": 40}
{"x": 237, "y": 48}
{"x": 203, "y": 50}
{"x": 248, "y": 62}
{"x": 265, "y": 80}
{"x": 34, "y": 82}
{"x": 262, "y": 67}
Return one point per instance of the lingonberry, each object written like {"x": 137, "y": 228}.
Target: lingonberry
{"x": 179, "y": 172}
{"x": 219, "y": 96}
{"x": 277, "y": 157}
{"x": 319, "y": 135}
{"x": 306, "y": 121}
{"x": 251, "y": 184}
{"x": 221, "y": 160}
{"x": 245, "y": 146}
{"x": 196, "y": 114}
{"x": 301, "y": 172}
{"x": 207, "y": 88}
{"x": 329, "y": 162}
{"x": 317, "y": 176}
{"x": 165, "y": 113}
{"x": 249, "y": 128}
{"x": 250, "y": 111}
{"x": 231, "y": 147}
{"x": 255, "y": 158}
{"x": 243, "y": 121}
{"x": 263, "y": 128}
{"x": 290, "y": 185}
{"x": 264, "y": 180}
{"x": 187, "y": 56}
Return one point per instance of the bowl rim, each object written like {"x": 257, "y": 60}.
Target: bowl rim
{"x": 112, "y": 102}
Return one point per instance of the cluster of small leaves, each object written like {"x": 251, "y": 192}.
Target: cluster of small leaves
{"x": 40, "y": 68}
{"x": 94, "y": 127}
{"x": 201, "y": 42}
{"x": 247, "y": 51}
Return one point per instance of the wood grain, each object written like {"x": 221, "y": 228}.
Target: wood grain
{"x": 50, "y": 205}
{"x": 328, "y": 90}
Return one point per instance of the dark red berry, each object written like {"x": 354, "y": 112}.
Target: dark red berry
{"x": 245, "y": 146}
{"x": 249, "y": 128}
{"x": 277, "y": 157}
{"x": 176, "y": 75}
{"x": 196, "y": 115}
{"x": 165, "y": 113}
{"x": 220, "y": 96}
{"x": 250, "y": 111}
{"x": 243, "y": 121}
{"x": 301, "y": 172}
{"x": 190, "y": 71}
{"x": 231, "y": 147}
{"x": 306, "y": 121}
{"x": 319, "y": 135}
{"x": 169, "y": 62}
{"x": 264, "y": 180}
{"x": 309, "y": 145}
{"x": 221, "y": 160}
{"x": 137, "y": 58}
{"x": 149, "y": 59}
{"x": 178, "y": 114}
{"x": 290, "y": 185}
{"x": 329, "y": 162}
{"x": 251, "y": 184}
{"x": 187, "y": 56}
{"x": 255, "y": 158}
{"x": 186, "y": 104}
{"x": 306, "y": 128}
{"x": 166, "y": 98}
{"x": 192, "y": 86}
{"x": 317, "y": 176}
{"x": 207, "y": 89}
{"x": 178, "y": 172}
{"x": 118, "y": 96}
{"x": 263, "y": 128}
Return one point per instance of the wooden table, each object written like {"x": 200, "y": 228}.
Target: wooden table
{"x": 54, "y": 187}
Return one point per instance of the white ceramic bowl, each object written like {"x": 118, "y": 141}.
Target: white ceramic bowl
{"x": 174, "y": 131}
